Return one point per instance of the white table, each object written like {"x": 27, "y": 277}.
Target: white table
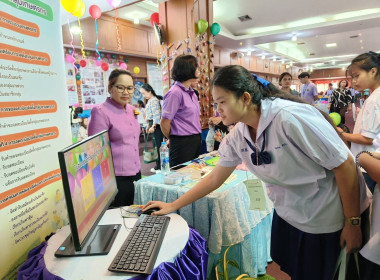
{"x": 96, "y": 267}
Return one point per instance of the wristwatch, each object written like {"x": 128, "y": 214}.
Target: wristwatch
{"x": 354, "y": 221}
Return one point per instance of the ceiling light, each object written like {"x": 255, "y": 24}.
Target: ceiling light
{"x": 361, "y": 47}
{"x": 361, "y": 41}
{"x": 283, "y": 61}
{"x": 291, "y": 63}
{"x": 249, "y": 52}
{"x": 311, "y": 69}
{"x": 241, "y": 43}
{"x": 263, "y": 57}
{"x": 294, "y": 37}
{"x": 274, "y": 59}
{"x": 287, "y": 66}
{"x": 136, "y": 20}
{"x": 331, "y": 45}
{"x": 333, "y": 62}
{"x": 343, "y": 68}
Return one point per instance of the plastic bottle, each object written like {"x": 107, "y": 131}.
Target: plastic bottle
{"x": 210, "y": 139}
{"x": 164, "y": 157}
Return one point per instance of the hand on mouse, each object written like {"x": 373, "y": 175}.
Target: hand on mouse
{"x": 165, "y": 208}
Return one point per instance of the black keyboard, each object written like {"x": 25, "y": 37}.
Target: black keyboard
{"x": 139, "y": 251}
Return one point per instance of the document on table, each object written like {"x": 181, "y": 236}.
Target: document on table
{"x": 256, "y": 194}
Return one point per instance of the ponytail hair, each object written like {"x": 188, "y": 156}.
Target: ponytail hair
{"x": 148, "y": 87}
{"x": 237, "y": 79}
{"x": 366, "y": 62}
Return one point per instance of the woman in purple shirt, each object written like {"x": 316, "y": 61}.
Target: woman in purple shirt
{"x": 117, "y": 116}
{"x": 180, "y": 120}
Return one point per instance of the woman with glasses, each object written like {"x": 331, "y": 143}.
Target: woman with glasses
{"x": 309, "y": 172}
{"x": 117, "y": 116}
{"x": 180, "y": 120}
{"x": 153, "y": 116}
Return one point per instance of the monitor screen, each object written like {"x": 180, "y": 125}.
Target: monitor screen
{"x": 89, "y": 183}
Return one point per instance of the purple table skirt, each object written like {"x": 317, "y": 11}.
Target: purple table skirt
{"x": 190, "y": 264}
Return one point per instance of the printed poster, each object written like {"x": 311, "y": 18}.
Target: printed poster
{"x": 34, "y": 126}
{"x": 93, "y": 86}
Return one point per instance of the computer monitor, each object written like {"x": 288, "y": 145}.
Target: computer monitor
{"x": 89, "y": 185}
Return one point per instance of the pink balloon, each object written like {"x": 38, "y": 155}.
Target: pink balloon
{"x": 123, "y": 66}
{"x": 70, "y": 59}
{"x": 98, "y": 62}
{"x": 114, "y": 3}
{"x": 95, "y": 11}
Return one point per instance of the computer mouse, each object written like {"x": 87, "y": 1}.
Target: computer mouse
{"x": 149, "y": 211}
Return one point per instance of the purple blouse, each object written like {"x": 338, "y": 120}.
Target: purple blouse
{"x": 124, "y": 131}
{"x": 181, "y": 106}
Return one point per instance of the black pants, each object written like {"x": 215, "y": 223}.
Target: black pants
{"x": 159, "y": 137}
{"x": 184, "y": 148}
{"x": 126, "y": 190}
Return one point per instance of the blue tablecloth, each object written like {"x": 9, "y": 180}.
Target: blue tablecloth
{"x": 223, "y": 219}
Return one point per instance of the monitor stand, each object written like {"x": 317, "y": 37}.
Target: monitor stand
{"x": 99, "y": 242}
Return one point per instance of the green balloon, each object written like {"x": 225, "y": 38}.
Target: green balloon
{"x": 202, "y": 26}
{"x": 336, "y": 118}
{"x": 215, "y": 29}
{"x": 77, "y": 77}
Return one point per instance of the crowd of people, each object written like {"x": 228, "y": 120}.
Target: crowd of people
{"x": 321, "y": 199}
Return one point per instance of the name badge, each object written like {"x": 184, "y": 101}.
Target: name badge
{"x": 256, "y": 194}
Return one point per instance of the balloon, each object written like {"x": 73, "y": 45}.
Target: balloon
{"x": 114, "y": 3}
{"x": 202, "y": 26}
{"x": 80, "y": 11}
{"x": 98, "y": 62}
{"x": 123, "y": 66}
{"x": 215, "y": 29}
{"x": 77, "y": 77}
{"x": 105, "y": 66}
{"x": 95, "y": 11}
{"x": 77, "y": 66}
{"x": 136, "y": 70}
{"x": 154, "y": 18}
{"x": 83, "y": 63}
{"x": 69, "y": 59}
{"x": 70, "y": 5}
{"x": 336, "y": 118}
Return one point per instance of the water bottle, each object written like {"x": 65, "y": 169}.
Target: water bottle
{"x": 210, "y": 139}
{"x": 164, "y": 157}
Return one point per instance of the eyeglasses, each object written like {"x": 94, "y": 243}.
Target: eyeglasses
{"x": 121, "y": 89}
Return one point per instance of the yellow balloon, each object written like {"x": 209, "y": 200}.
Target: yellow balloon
{"x": 80, "y": 11}
{"x": 136, "y": 70}
{"x": 70, "y": 5}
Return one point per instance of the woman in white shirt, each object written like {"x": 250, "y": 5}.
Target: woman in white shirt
{"x": 308, "y": 170}
{"x": 365, "y": 72}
